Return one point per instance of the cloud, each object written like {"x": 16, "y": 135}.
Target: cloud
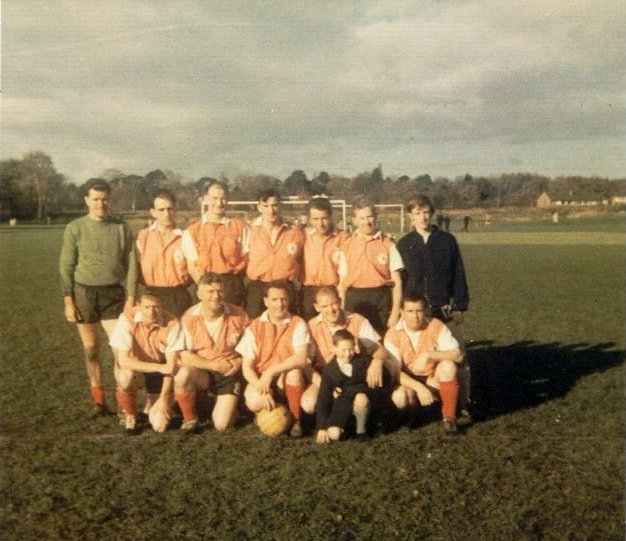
{"x": 201, "y": 87}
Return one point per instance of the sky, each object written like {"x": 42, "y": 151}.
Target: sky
{"x": 205, "y": 88}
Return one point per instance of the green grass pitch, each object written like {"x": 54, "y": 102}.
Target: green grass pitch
{"x": 546, "y": 341}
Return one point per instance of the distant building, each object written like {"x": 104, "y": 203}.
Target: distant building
{"x": 570, "y": 199}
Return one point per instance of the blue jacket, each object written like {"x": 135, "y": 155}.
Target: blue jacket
{"x": 435, "y": 269}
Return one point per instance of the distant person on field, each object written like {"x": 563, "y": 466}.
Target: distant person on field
{"x": 216, "y": 242}
{"x": 427, "y": 356}
{"x": 97, "y": 255}
{"x": 446, "y": 222}
{"x": 344, "y": 390}
{"x": 322, "y": 253}
{"x": 331, "y": 319}
{"x": 369, "y": 269}
{"x": 209, "y": 361}
{"x": 433, "y": 268}
{"x": 466, "y": 222}
{"x": 147, "y": 340}
{"x": 274, "y": 253}
{"x": 162, "y": 263}
{"x": 439, "y": 220}
{"x": 274, "y": 351}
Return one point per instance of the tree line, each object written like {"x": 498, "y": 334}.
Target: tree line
{"x": 32, "y": 188}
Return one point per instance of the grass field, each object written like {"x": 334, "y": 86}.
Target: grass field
{"x": 546, "y": 339}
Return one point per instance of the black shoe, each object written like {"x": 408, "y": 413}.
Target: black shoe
{"x": 450, "y": 427}
{"x": 464, "y": 418}
{"x": 131, "y": 427}
{"x": 296, "y": 430}
{"x": 188, "y": 428}
{"x": 143, "y": 419}
{"x": 362, "y": 437}
{"x": 100, "y": 410}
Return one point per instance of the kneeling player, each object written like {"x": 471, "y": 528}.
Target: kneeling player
{"x": 212, "y": 329}
{"x": 274, "y": 351}
{"x": 331, "y": 319}
{"x": 147, "y": 340}
{"x": 427, "y": 355}
{"x": 344, "y": 390}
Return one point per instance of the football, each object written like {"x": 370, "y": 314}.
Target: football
{"x": 275, "y": 422}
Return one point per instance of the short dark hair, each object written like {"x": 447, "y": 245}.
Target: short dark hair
{"x": 214, "y": 182}
{"x": 326, "y": 290}
{"x": 150, "y": 296}
{"x": 264, "y": 195}
{"x": 97, "y": 184}
{"x": 343, "y": 334}
{"x": 414, "y": 297}
{"x": 320, "y": 203}
{"x": 420, "y": 201}
{"x": 162, "y": 193}
{"x": 362, "y": 202}
{"x": 210, "y": 278}
{"x": 276, "y": 284}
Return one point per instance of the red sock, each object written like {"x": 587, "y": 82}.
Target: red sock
{"x": 294, "y": 397}
{"x": 449, "y": 391}
{"x": 127, "y": 401}
{"x": 187, "y": 403}
{"x": 97, "y": 393}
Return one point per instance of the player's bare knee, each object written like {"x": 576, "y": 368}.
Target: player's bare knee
{"x": 446, "y": 371}
{"x": 124, "y": 379}
{"x": 361, "y": 403}
{"x": 294, "y": 377}
{"x": 334, "y": 433}
{"x": 182, "y": 380}
{"x": 399, "y": 398}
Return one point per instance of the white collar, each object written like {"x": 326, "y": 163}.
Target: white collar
{"x": 154, "y": 226}
{"x": 376, "y": 235}
{"x": 265, "y": 317}
{"x": 258, "y": 221}
{"x": 223, "y": 220}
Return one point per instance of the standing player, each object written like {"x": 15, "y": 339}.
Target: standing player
{"x": 274, "y": 351}
{"x": 212, "y": 329}
{"x": 275, "y": 253}
{"x": 162, "y": 263}
{"x": 370, "y": 267}
{"x": 97, "y": 255}
{"x": 427, "y": 355}
{"x": 433, "y": 268}
{"x": 322, "y": 253}
{"x": 215, "y": 244}
{"x": 331, "y": 319}
{"x": 147, "y": 340}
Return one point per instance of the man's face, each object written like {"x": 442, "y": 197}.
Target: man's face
{"x": 163, "y": 212}
{"x": 277, "y": 303}
{"x": 329, "y": 306}
{"x": 344, "y": 350}
{"x": 421, "y": 218}
{"x": 365, "y": 221}
{"x": 320, "y": 220}
{"x": 215, "y": 201}
{"x": 98, "y": 204}
{"x": 414, "y": 315}
{"x": 150, "y": 309}
{"x": 269, "y": 210}
{"x": 212, "y": 296}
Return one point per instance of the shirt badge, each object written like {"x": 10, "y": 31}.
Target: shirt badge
{"x": 292, "y": 248}
{"x": 382, "y": 259}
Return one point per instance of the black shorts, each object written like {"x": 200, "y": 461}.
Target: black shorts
{"x": 175, "y": 300}
{"x": 423, "y": 380}
{"x": 95, "y": 303}
{"x": 221, "y": 384}
{"x": 154, "y": 382}
{"x": 373, "y": 303}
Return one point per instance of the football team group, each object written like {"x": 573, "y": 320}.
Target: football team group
{"x": 339, "y": 329}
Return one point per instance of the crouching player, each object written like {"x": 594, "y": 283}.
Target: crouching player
{"x": 274, "y": 351}
{"x": 212, "y": 329}
{"x": 331, "y": 319}
{"x": 427, "y": 355}
{"x": 147, "y": 340}
{"x": 344, "y": 391}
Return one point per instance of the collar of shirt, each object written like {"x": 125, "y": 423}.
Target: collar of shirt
{"x": 265, "y": 317}
{"x": 197, "y": 310}
{"x": 346, "y": 368}
{"x": 259, "y": 221}
{"x": 223, "y": 220}
{"x": 318, "y": 320}
{"x": 376, "y": 235}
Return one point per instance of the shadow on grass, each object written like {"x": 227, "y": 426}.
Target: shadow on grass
{"x": 526, "y": 374}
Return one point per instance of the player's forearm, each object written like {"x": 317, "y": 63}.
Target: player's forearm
{"x": 396, "y": 292}
{"x": 379, "y": 353}
{"x": 248, "y": 371}
{"x": 134, "y": 364}
{"x": 167, "y": 389}
{"x": 189, "y": 358}
{"x": 290, "y": 363}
